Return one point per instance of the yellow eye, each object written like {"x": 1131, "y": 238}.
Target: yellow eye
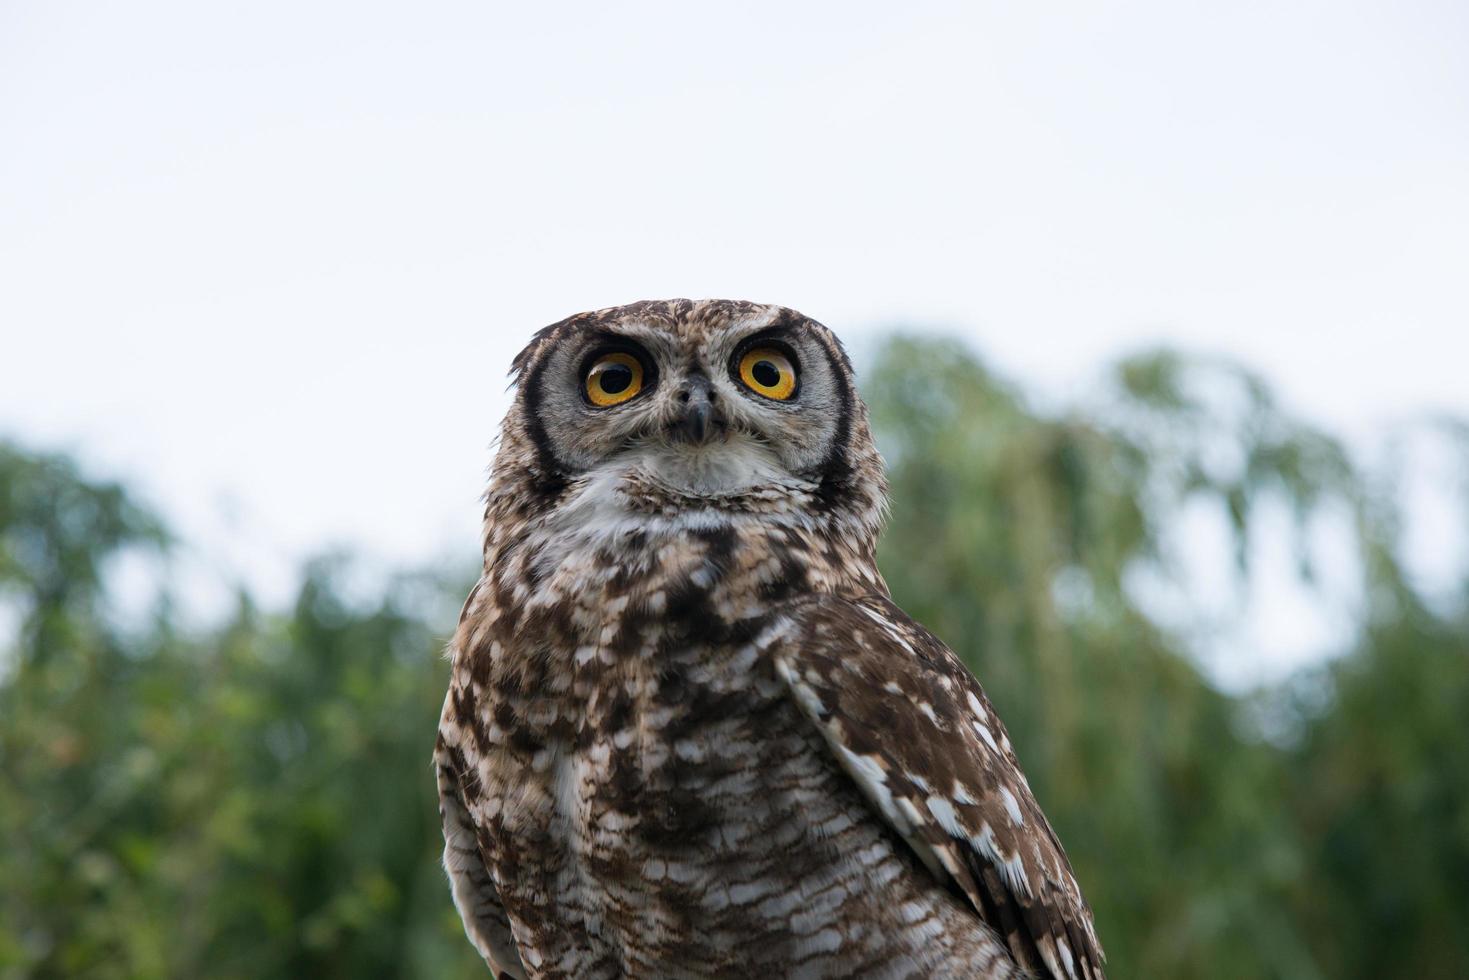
{"x": 766, "y": 371}
{"x": 613, "y": 379}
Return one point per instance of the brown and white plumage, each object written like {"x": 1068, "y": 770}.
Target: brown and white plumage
{"x": 687, "y": 733}
{"x": 915, "y": 731}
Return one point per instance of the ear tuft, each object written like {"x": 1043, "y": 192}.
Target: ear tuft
{"x": 528, "y": 353}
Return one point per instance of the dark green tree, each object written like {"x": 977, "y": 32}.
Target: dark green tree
{"x": 254, "y": 799}
{"x": 1019, "y": 537}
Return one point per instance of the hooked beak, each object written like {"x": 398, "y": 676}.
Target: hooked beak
{"x": 697, "y": 418}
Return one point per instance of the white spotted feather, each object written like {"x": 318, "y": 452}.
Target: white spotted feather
{"x": 986, "y": 833}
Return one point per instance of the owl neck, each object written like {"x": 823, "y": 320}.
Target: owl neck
{"x": 626, "y": 533}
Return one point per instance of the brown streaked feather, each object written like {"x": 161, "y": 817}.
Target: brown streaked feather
{"x": 915, "y": 730}
{"x": 472, "y": 886}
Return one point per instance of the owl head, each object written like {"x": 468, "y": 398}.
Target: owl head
{"x": 698, "y": 405}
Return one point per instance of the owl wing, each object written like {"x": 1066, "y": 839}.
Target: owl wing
{"x": 914, "y": 730}
{"x": 475, "y": 894}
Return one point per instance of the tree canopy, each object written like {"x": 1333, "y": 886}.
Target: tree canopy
{"x": 254, "y": 798}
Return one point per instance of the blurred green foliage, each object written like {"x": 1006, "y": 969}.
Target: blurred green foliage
{"x": 255, "y": 799}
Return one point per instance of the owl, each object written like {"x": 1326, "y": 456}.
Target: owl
{"x": 688, "y": 733}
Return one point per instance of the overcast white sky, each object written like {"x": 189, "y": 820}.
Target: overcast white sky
{"x": 270, "y": 260}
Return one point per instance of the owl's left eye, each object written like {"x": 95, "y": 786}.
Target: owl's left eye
{"x": 613, "y": 379}
{"x": 767, "y": 371}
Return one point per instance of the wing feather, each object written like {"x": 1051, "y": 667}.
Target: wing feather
{"x": 914, "y": 730}
{"x": 474, "y": 890}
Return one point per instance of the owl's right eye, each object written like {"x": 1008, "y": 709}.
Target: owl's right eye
{"x": 613, "y": 379}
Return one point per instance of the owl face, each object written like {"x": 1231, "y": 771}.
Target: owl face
{"x": 709, "y": 398}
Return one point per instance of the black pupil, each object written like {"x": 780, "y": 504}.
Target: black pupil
{"x": 766, "y": 375}
{"x": 615, "y": 378}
